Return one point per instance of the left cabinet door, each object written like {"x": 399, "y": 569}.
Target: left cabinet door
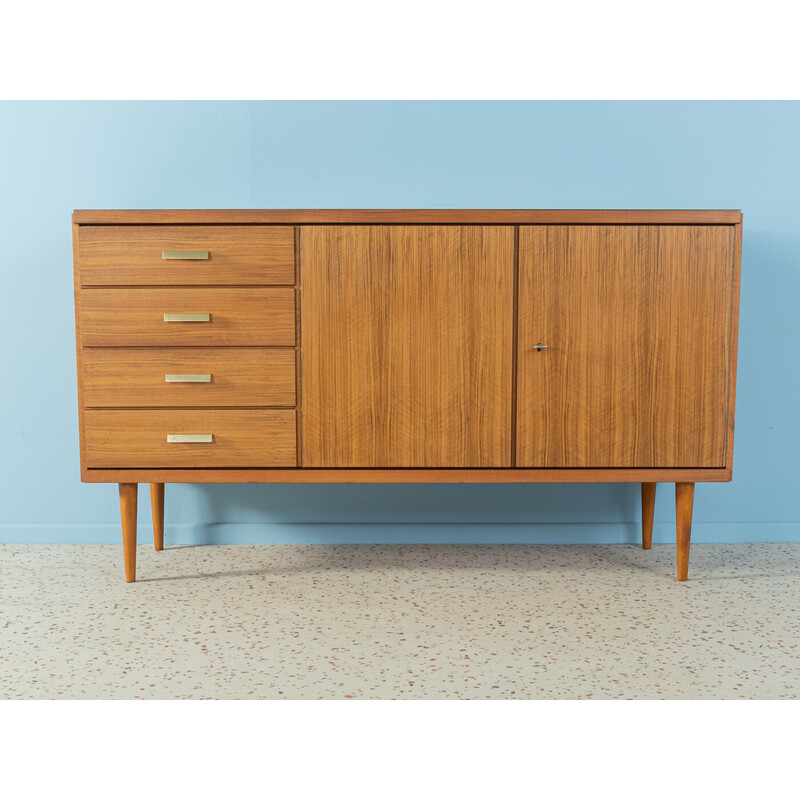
{"x": 406, "y": 345}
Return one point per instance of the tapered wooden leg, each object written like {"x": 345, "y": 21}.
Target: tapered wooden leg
{"x": 128, "y": 495}
{"x": 157, "y": 506}
{"x": 648, "y": 509}
{"x": 684, "y": 500}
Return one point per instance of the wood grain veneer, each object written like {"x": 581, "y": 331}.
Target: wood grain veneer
{"x": 406, "y": 216}
{"x": 242, "y": 438}
{"x": 135, "y": 317}
{"x": 407, "y": 340}
{"x": 134, "y": 377}
{"x": 78, "y": 340}
{"x": 637, "y": 320}
{"x": 425, "y": 475}
{"x": 734, "y": 348}
{"x": 238, "y": 254}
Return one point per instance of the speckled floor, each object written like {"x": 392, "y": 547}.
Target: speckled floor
{"x": 395, "y": 621}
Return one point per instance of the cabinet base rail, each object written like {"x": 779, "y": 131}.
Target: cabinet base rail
{"x": 684, "y": 501}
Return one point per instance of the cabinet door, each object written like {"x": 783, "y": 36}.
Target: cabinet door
{"x": 637, "y": 320}
{"x": 406, "y": 336}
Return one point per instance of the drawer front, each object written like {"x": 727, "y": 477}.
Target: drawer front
{"x": 169, "y": 255}
{"x": 236, "y": 438}
{"x": 186, "y": 377}
{"x": 136, "y": 317}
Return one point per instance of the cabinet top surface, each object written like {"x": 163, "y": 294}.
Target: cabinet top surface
{"x": 408, "y": 216}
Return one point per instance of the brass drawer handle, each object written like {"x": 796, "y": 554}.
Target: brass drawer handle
{"x": 172, "y": 377}
{"x": 184, "y": 255}
{"x": 187, "y": 317}
{"x": 189, "y": 438}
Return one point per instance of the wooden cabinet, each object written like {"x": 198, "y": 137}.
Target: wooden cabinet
{"x": 406, "y": 346}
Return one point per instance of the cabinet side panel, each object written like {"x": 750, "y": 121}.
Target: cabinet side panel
{"x": 406, "y": 346}
{"x": 78, "y": 344}
{"x": 737, "y": 279}
{"x": 637, "y": 319}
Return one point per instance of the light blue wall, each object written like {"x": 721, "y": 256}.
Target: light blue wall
{"x": 58, "y": 156}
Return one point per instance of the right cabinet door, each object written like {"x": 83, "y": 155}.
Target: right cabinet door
{"x": 637, "y": 324}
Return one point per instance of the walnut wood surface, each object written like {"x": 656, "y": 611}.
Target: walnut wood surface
{"x": 684, "y": 501}
{"x": 157, "y": 509}
{"x": 78, "y": 340}
{"x": 737, "y": 279}
{"x": 406, "y": 346}
{"x": 242, "y": 438}
{"x": 456, "y": 216}
{"x": 238, "y": 254}
{"x": 128, "y": 502}
{"x": 310, "y": 475}
{"x": 247, "y": 376}
{"x": 638, "y": 322}
{"x": 298, "y": 349}
{"x": 131, "y": 317}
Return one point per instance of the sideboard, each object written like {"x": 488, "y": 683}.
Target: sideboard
{"x": 406, "y": 346}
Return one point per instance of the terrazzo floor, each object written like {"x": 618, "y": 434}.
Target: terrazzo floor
{"x": 397, "y": 621}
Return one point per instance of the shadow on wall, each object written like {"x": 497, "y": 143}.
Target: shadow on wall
{"x": 222, "y": 513}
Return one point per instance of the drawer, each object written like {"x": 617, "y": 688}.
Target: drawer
{"x": 188, "y": 376}
{"x": 136, "y": 317}
{"x": 237, "y": 438}
{"x": 153, "y": 255}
